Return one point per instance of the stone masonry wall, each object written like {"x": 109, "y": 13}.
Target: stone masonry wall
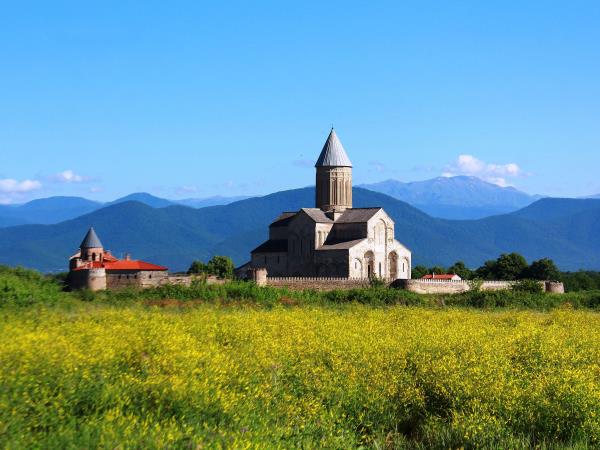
{"x": 453, "y": 287}
{"x": 317, "y": 283}
{"x": 417, "y": 286}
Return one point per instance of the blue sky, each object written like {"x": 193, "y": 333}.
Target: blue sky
{"x": 193, "y": 99}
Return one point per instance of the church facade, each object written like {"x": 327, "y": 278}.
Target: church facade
{"x": 333, "y": 239}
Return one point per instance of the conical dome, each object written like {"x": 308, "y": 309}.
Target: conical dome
{"x": 333, "y": 153}
{"x": 91, "y": 240}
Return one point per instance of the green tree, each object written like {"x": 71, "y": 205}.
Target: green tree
{"x": 221, "y": 266}
{"x": 581, "y": 280}
{"x": 511, "y": 266}
{"x": 419, "y": 271}
{"x": 438, "y": 270}
{"x": 460, "y": 269}
{"x": 197, "y": 267}
{"x": 542, "y": 269}
{"x": 488, "y": 271}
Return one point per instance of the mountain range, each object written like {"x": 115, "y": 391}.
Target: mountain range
{"x": 567, "y": 230}
{"x": 58, "y": 209}
{"x": 459, "y": 197}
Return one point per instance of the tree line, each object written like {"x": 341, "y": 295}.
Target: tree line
{"x": 508, "y": 266}
{"x": 514, "y": 266}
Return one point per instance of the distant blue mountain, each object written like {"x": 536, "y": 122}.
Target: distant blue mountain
{"x": 58, "y": 209}
{"x": 46, "y": 210}
{"x": 450, "y": 198}
{"x": 145, "y": 198}
{"x": 459, "y": 197}
{"x": 217, "y": 200}
{"x": 566, "y": 230}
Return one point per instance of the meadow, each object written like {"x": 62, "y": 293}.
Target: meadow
{"x": 241, "y": 367}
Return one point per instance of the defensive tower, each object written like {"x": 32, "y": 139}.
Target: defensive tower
{"x": 91, "y": 247}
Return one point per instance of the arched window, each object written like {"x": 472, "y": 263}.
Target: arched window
{"x": 94, "y": 256}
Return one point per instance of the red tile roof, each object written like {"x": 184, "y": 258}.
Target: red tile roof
{"x": 445, "y": 276}
{"x": 108, "y": 256}
{"x": 121, "y": 264}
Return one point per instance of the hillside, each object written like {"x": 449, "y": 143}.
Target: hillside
{"x": 145, "y": 198}
{"x": 53, "y": 210}
{"x": 46, "y": 210}
{"x": 175, "y": 235}
{"x": 459, "y": 197}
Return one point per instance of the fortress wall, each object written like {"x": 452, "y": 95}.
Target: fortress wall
{"x": 152, "y": 278}
{"x": 317, "y": 283}
{"x": 92, "y": 279}
{"x": 418, "y": 286}
{"x": 96, "y": 279}
{"x": 78, "y": 279}
{"x": 452, "y": 287}
{"x": 181, "y": 280}
{"x": 115, "y": 280}
{"x": 435, "y": 287}
{"x": 555, "y": 287}
{"x": 143, "y": 279}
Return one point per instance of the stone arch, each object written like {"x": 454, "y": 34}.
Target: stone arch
{"x": 380, "y": 232}
{"x": 369, "y": 264}
{"x": 393, "y": 265}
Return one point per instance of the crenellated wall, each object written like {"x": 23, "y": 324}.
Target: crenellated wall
{"x": 418, "y": 286}
{"x": 453, "y": 287}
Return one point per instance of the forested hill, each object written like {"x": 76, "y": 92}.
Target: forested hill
{"x": 565, "y": 230}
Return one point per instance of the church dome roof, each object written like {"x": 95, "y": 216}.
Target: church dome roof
{"x": 333, "y": 153}
{"x": 91, "y": 240}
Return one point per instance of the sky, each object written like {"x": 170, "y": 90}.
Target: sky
{"x": 195, "y": 99}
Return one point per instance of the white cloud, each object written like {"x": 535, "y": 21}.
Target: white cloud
{"x": 493, "y": 173}
{"x": 11, "y": 186}
{"x": 68, "y": 176}
{"x": 12, "y": 190}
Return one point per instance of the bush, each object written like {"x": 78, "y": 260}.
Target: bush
{"x": 22, "y": 287}
{"x": 530, "y": 286}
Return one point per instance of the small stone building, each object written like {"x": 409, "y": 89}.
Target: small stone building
{"x": 333, "y": 239}
{"x": 94, "y": 268}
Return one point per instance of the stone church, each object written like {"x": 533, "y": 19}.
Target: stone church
{"x": 333, "y": 239}
{"x": 95, "y": 268}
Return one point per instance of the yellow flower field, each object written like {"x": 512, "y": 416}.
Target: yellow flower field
{"x": 337, "y": 377}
